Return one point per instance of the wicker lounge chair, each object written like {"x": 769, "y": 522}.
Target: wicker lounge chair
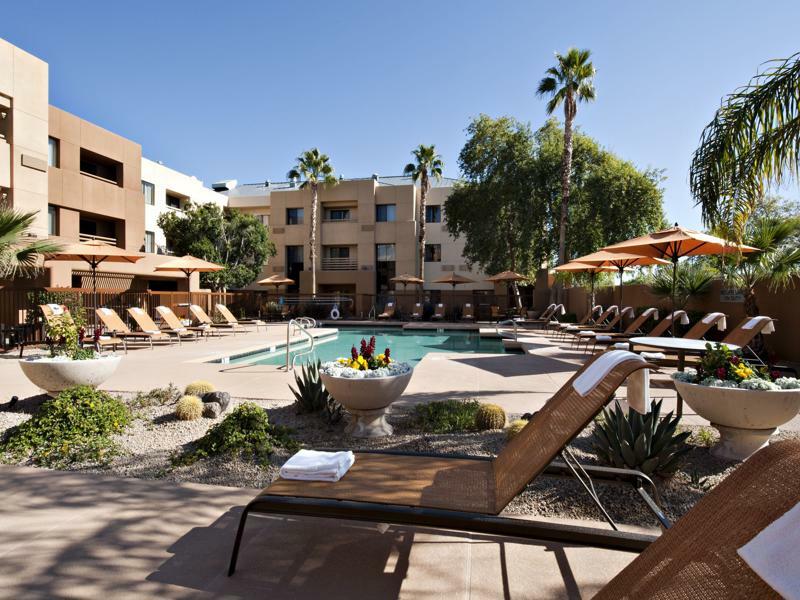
{"x": 117, "y": 326}
{"x": 603, "y": 319}
{"x": 698, "y": 558}
{"x": 635, "y": 328}
{"x": 147, "y": 325}
{"x": 587, "y": 320}
{"x": 438, "y": 313}
{"x": 495, "y": 313}
{"x": 226, "y": 314}
{"x": 60, "y": 311}
{"x": 468, "y": 493}
{"x": 388, "y": 311}
{"x": 203, "y": 319}
{"x": 546, "y": 316}
{"x": 468, "y": 314}
{"x": 169, "y": 317}
{"x": 416, "y": 315}
{"x": 587, "y": 334}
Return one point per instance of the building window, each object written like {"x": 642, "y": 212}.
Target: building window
{"x": 263, "y": 219}
{"x": 433, "y": 253}
{"x": 384, "y": 213}
{"x": 53, "y": 152}
{"x": 149, "y": 192}
{"x": 337, "y": 251}
{"x": 150, "y": 242}
{"x": 433, "y": 214}
{"x": 294, "y": 216}
{"x": 101, "y": 167}
{"x": 52, "y": 220}
{"x": 337, "y": 214}
{"x": 294, "y": 265}
{"x": 384, "y": 266}
{"x": 173, "y": 201}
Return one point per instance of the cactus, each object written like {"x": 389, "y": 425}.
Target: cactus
{"x": 189, "y": 408}
{"x": 311, "y": 395}
{"x": 490, "y": 416}
{"x": 646, "y": 443}
{"x": 199, "y": 388}
{"x": 514, "y": 428}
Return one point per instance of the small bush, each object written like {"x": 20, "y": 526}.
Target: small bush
{"x": 515, "y": 427}
{"x": 198, "y": 388}
{"x": 189, "y": 408}
{"x": 75, "y": 426}
{"x": 490, "y": 416}
{"x": 446, "y": 416}
{"x": 311, "y": 396}
{"x": 245, "y": 432}
{"x": 156, "y": 397}
{"x": 704, "y": 437}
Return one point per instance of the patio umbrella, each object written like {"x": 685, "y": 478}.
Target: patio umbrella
{"x": 276, "y": 280}
{"x": 406, "y": 279}
{"x": 94, "y": 252}
{"x": 675, "y": 243}
{"x": 593, "y": 270}
{"x": 187, "y": 265}
{"x": 621, "y": 260}
{"x": 453, "y": 279}
{"x": 512, "y": 278}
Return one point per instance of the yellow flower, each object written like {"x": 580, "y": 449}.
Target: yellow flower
{"x": 343, "y": 361}
{"x": 362, "y": 362}
{"x": 354, "y": 364}
{"x": 743, "y": 371}
{"x": 381, "y": 358}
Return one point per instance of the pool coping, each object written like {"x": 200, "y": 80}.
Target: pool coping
{"x": 213, "y": 358}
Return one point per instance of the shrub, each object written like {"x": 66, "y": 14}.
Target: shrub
{"x": 189, "y": 408}
{"x": 704, "y": 437}
{"x": 515, "y": 427}
{"x": 75, "y": 426}
{"x": 199, "y": 388}
{"x": 642, "y": 442}
{"x": 245, "y": 432}
{"x": 490, "y": 416}
{"x": 311, "y": 395}
{"x": 156, "y": 397}
{"x": 446, "y": 416}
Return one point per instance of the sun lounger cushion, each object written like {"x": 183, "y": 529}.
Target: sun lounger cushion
{"x": 313, "y": 465}
{"x": 755, "y": 321}
{"x": 653, "y": 355}
{"x": 773, "y": 555}
{"x": 722, "y": 324}
{"x": 599, "y": 369}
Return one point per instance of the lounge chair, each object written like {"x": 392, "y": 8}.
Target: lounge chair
{"x": 635, "y": 328}
{"x": 562, "y": 328}
{"x": 147, "y": 325}
{"x": 118, "y": 328}
{"x": 587, "y": 335}
{"x": 698, "y": 557}
{"x": 438, "y": 313}
{"x": 52, "y": 312}
{"x": 545, "y": 317}
{"x": 203, "y": 319}
{"x": 388, "y": 311}
{"x": 169, "y": 317}
{"x": 469, "y": 493}
{"x": 467, "y": 314}
{"x": 416, "y": 315}
{"x": 661, "y": 328}
{"x": 495, "y": 313}
{"x": 226, "y": 314}
{"x": 603, "y": 319}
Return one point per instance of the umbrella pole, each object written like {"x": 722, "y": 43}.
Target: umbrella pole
{"x": 621, "y": 269}
{"x": 591, "y": 296}
{"x": 674, "y": 282}
{"x": 94, "y": 292}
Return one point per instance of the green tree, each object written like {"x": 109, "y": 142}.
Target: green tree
{"x": 694, "y": 279}
{"x": 225, "y": 236}
{"x": 426, "y": 164}
{"x": 315, "y": 169}
{"x": 751, "y": 143}
{"x": 570, "y": 81}
{"x": 20, "y": 257}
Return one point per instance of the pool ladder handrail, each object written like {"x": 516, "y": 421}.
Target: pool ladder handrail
{"x": 506, "y": 322}
{"x": 307, "y": 322}
{"x": 298, "y": 325}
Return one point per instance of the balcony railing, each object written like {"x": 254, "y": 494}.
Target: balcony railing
{"x": 86, "y": 237}
{"x": 339, "y": 264}
{"x": 348, "y": 220}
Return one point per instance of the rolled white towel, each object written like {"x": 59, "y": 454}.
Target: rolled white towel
{"x": 603, "y": 338}
{"x": 313, "y": 465}
{"x": 152, "y": 331}
{"x": 587, "y": 333}
{"x": 622, "y": 346}
{"x": 653, "y": 355}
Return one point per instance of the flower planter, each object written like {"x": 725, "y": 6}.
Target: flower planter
{"x": 56, "y": 374}
{"x": 745, "y": 419}
{"x": 367, "y": 400}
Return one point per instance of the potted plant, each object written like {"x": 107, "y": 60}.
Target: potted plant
{"x": 365, "y": 384}
{"x": 68, "y": 363}
{"x": 746, "y": 404}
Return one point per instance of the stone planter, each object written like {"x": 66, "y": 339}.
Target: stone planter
{"x": 367, "y": 401}
{"x": 56, "y": 374}
{"x": 745, "y": 419}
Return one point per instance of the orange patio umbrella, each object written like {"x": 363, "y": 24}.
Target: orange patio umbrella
{"x": 453, "y": 279}
{"x": 407, "y": 279}
{"x": 579, "y": 267}
{"x": 621, "y": 260}
{"x": 276, "y": 280}
{"x": 676, "y": 242}
{"x": 187, "y": 265}
{"x": 511, "y": 277}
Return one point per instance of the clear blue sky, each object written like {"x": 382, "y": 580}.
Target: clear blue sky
{"x": 237, "y": 89}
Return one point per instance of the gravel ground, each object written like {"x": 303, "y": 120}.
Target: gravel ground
{"x": 156, "y": 435}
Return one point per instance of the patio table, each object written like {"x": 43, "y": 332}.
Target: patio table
{"x": 682, "y": 347}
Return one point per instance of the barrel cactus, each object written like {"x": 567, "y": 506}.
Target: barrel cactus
{"x": 189, "y": 408}
{"x": 646, "y": 443}
{"x": 490, "y": 416}
{"x": 514, "y": 428}
{"x": 199, "y": 388}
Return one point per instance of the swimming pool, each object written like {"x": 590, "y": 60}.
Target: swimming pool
{"x": 407, "y": 345}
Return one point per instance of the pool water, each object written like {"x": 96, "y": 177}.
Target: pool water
{"x": 407, "y": 345}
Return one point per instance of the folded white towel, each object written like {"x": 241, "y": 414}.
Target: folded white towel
{"x": 773, "y": 555}
{"x": 722, "y": 323}
{"x": 137, "y": 310}
{"x": 638, "y": 387}
{"x": 679, "y": 313}
{"x": 603, "y": 338}
{"x": 164, "y": 309}
{"x": 561, "y": 310}
{"x": 106, "y": 311}
{"x": 650, "y": 311}
{"x": 601, "y": 367}
{"x": 755, "y": 321}
{"x": 152, "y": 331}
{"x": 622, "y": 346}
{"x": 586, "y": 333}
{"x": 653, "y": 355}
{"x": 571, "y": 327}
{"x": 313, "y": 465}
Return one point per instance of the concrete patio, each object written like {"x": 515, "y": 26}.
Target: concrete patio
{"x": 89, "y": 536}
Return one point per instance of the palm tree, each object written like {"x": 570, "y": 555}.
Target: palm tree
{"x": 426, "y": 164}
{"x": 19, "y": 258}
{"x": 751, "y": 143}
{"x": 569, "y": 82}
{"x": 315, "y": 169}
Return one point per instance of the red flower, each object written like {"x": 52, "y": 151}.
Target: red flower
{"x": 721, "y": 373}
{"x": 387, "y": 353}
{"x": 354, "y": 353}
{"x": 773, "y": 374}
{"x": 735, "y": 360}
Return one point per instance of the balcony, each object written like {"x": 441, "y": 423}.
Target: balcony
{"x": 339, "y": 264}
{"x": 5, "y": 163}
{"x": 86, "y": 237}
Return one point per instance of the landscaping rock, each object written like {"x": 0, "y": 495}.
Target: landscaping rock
{"x": 221, "y": 398}
{"x": 212, "y": 410}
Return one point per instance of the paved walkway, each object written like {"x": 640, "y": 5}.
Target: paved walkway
{"x": 88, "y": 536}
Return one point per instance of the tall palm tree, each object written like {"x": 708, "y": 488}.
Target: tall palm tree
{"x": 426, "y": 164}
{"x": 752, "y": 142}
{"x": 570, "y": 81}
{"x": 17, "y": 256}
{"x": 315, "y": 169}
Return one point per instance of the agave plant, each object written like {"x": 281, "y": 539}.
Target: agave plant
{"x": 311, "y": 395}
{"x": 646, "y": 443}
